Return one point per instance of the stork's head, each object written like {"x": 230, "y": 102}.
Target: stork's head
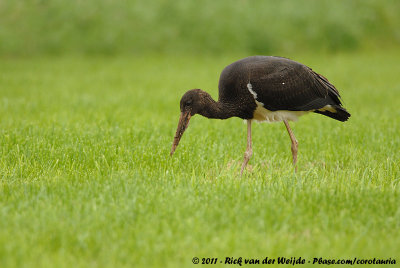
{"x": 191, "y": 104}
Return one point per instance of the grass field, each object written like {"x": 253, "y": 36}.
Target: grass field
{"x": 98, "y": 27}
{"x": 87, "y": 181}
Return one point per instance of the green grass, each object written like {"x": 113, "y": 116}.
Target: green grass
{"x": 86, "y": 177}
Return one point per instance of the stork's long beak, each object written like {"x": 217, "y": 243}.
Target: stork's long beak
{"x": 182, "y": 125}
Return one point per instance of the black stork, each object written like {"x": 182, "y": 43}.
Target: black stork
{"x": 264, "y": 88}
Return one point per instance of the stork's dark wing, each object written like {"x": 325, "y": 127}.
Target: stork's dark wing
{"x": 282, "y": 84}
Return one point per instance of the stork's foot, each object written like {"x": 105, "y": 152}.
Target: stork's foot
{"x": 247, "y": 156}
{"x": 294, "y": 144}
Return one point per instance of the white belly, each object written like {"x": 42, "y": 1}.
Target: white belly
{"x": 261, "y": 114}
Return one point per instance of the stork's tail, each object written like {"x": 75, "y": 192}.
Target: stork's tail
{"x": 339, "y": 113}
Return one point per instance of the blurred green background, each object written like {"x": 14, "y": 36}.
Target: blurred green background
{"x": 40, "y": 27}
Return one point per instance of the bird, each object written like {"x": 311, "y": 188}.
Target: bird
{"x": 264, "y": 88}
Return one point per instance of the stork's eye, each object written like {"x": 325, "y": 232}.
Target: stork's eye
{"x": 189, "y": 102}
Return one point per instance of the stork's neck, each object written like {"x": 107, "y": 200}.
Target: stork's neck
{"x": 214, "y": 109}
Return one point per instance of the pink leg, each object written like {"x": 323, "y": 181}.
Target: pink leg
{"x": 249, "y": 150}
{"x": 294, "y": 144}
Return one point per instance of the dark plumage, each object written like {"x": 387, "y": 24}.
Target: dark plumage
{"x": 264, "y": 88}
{"x": 280, "y": 83}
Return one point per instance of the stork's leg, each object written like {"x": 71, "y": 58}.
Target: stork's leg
{"x": 294, "y": 144}
{"x": 249, "y": 150}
